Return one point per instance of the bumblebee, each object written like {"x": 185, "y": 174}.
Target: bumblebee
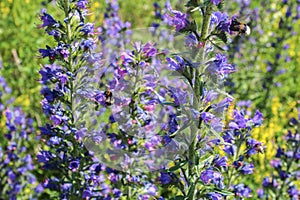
{"x": 240, "y": 27}
{"x": 108, "y": 97}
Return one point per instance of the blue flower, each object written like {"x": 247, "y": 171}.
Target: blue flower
{"x": 54, "y": 141}
{"x": 45, "y": 156}
{"x": 293, "y": 192}
{"x": 87, "y": 29}
{"x": 247, "y": 168}
{"x": 175, "y": 64}
{"x": 216, "y": 2}
{"x": 218, "y": 17}
{"x": 258, "y": 118}
{"x": 214, "y": 196}
{"x": 74, "y": 165}
{"x": 279, "y": 152}
{"x": 210, "y": 176}
{"x": 230, "y": 150}
{"x": 88, "y": 44}
{"x": 48, "y": 20}
{"x": 177, "y": 19}
{"x": 48, "y": 52}
{"x": 241, "y": 190}
{"x": 206, "y": 117}
{"x": 82, "y": 4}
{"x": 149, "y": 50}
{"x": 220, "y": 162}
{"x": 191, "y": 40}
{"x": 165, "y": 178}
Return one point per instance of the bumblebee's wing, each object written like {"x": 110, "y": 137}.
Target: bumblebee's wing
{"x": 246, "y": 19}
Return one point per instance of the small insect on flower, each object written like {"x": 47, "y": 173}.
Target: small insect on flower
{"x": 260, "y": 148}
{"x": 108, "y": 97}
{"x": 240, "y": 27}
{"x": 104, "y": 99}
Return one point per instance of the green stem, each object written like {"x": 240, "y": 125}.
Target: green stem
{"x": 205, "y": 28}
{"x": 205, "y": 23}
{"x": 231, "y": 171}
{"x": 198, "y": 93}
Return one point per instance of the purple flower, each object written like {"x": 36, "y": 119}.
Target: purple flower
{"x": 175, "y": 64}
{"x": 244, "y": 103}
{"x": 225, "y": 24}
{"x": 149, "y": 50}
{"x": 279, "y": 152}
{"x": 191, "y": 40}
{"x": 230, "y": 150}
{"x": 63, "y": 78}
{"x": 293, "y": 192}
{"x": 74, "y": 165}
{"x": 48, "y": 52}
{"x": 173, "y": 124}
{"x": 48, "y": 73}
{"x": 217, "y": 124}
{"x": 82, "y": 4}
{"x": 269, "y": 183}
{"x": 247, "y": 168}
{"x": 211, "y": 95}
{"x": 45, "y": 156}
{"x": 283, "y": 175}
{"x": 214, "y": 196}
{"x": 47, "y": 130}
{"x": 57, "y": 120}
{"x": 289, "y": 154}
{"x": 177, "y": 19}
{"x": 87, "y": 29}
{"x": 258, "y": 118}
{"x": 54, "y": 33}
{"x": 48, "y": 20}
{"x": 222, "y": 105}
{"x": 239, "y": 119}
{"x": 241, "y": 190}
{"x": 54, "y": 140}
{"x": 220, "y": 162}
{"x": 39, "y": 188}
{"x": 151, "y": 189}
{"x": 12, "y": 176}
{"x": 218, "y": 17}
{"x": 228, "y": 137}
{"x": 260, "y": 193}
{"x": 165, "y": 178}
{"x": 216, "y": 2}
{"x": 88, "y": 44}
{"x": 211, "y": 177}
{"x": 206, "y": 116}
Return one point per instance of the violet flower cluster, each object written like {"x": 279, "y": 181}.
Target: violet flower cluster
{"x": 215, "y": 177}
{"x": 137, "y": 115}
{"x": 282, "y": 182}
{"x": 73, "y": 172}
{"x": 16, "y": 164}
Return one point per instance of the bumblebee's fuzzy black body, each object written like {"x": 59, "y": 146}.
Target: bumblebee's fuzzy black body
{"x": 239, "y": 27}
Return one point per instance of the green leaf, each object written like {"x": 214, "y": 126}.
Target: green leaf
{"x": 191, "y": 191}
{"x": 178, "y": 198}
{"x": 217, "y": 46}
{"x": 222, "y": 36}
{"x": 168, "y": 103}
{"x": 225, "y": 192}
{"x": 177, "y": 166}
